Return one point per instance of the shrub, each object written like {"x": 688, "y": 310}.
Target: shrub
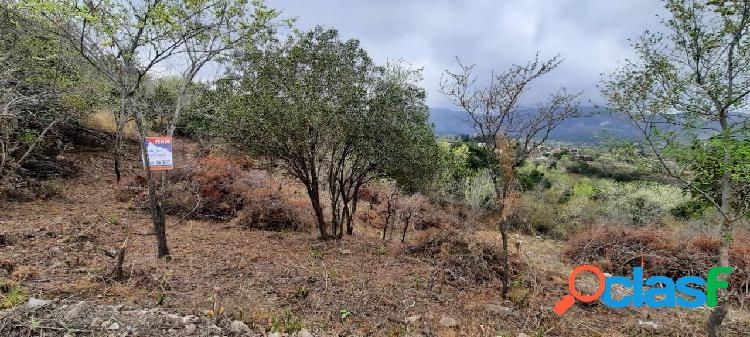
{"x": 661, "y": 252}
{"x": 464, "y": 260}
{"x": 220, "y": 189}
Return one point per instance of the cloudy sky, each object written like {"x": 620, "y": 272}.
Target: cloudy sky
{"x": 591, "y": 35}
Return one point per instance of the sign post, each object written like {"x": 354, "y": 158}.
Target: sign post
{"x": 159, "y": 151}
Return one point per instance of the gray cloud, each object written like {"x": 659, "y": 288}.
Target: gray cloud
{"x": 591, "y": 35}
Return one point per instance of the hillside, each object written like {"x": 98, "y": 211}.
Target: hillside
{"x": 282, "y": 281}
{"x": 591, "y": 129}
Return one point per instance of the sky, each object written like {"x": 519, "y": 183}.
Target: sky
{"x": 590, "y": 35}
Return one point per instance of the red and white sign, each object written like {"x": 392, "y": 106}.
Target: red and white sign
{"x": 159, "y": 150}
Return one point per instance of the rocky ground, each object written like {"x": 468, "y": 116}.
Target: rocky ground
{"x": 82, "y": 318}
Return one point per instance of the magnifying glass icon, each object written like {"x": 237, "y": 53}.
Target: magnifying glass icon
{"x": 568, "y": 300}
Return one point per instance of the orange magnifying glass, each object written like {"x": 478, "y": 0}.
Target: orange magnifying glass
{"x": 568, "y": 300}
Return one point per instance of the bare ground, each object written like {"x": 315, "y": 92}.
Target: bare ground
{"x": 54, "y": 248}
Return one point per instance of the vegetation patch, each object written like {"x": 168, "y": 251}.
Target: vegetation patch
{"x": 660, "y": 251}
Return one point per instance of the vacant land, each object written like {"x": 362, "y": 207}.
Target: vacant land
{"x": 284, "y": 281}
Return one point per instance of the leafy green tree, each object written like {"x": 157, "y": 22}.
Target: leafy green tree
{"x": 43, "y": 84}
{"x": 125, "y": 39}
{"x": 688, "y": 84}
{"x": 320, "y": 109}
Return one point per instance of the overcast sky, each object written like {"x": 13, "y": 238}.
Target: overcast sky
{"x": 591, "y": 35}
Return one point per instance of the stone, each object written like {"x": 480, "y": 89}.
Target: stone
{"x": 413, "y": 319}
{"x": 238, "y": 327}
{"x": 648, "y": 325}
{"x": 190, "y": 319}
{"x": 36, "y": 303}
{"x": 448, "y": 322}
{"x": 96, "y": 322}
{"x": 498, "y": 309}
{"x": 74, "y": 311}
{"x": 274, "y": 334}
{"x": 174, "y": 319}
{"x": 190, "y": 329}
{"x": 114, "y": 326}
{"x": 214, "y": 329}
{"x": 304, "y": 333}
{"x": 521, "y": 334}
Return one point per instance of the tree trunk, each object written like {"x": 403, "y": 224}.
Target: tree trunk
{"x": 117, "y": 164}
{"x": 720, "y": 311}
{"x": 506, "y": 266}
{"x": 312, "y": 192}
{"x": 406, "y": 227}
{"x": 154, "y": 204}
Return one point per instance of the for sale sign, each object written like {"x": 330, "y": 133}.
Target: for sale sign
{"x": 159, "y": 150}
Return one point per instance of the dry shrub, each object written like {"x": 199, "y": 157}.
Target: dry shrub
{"x": 271, "y": 212}
{"x": 660, "y": 251}
{"x": 464, "y": 260}
{"x": 212, "y": 188}
{"x": 222, "y": 189}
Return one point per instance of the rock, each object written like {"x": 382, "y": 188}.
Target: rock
{"x": 73, "y": 311}
{"x": 274, "y": 334}
{"x": 413, "y": 319}
{"x": 648, "y": 325}
{"x": 448, "y": 322}
{"x": 114, "y": 326}
{"x": 190, "y": 329}
{"x": 238, "y": 327}
{"x": 36, "y": 303}
{"x": 214, "y": 329}
{"x": 174, "y": 319}
{"x": 190, "y": 319}
{"x": 521, "y": 334}
{"x": 55, "y": 250}
{"x": 96, "y": 322}
{"x": 345, "y": 251}
{"x": 498, "y": 309}
{"x": 304, "y": 333}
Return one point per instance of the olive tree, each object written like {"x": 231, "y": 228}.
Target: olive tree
{"x": 686, "y": 85}
{"x": 510, "y": 132}
{"x": 318, "y": 108}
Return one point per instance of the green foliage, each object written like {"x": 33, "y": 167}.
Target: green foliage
{"x": 344, "y": 314}
{"x": 286, "y": 323}
{"x": 701, "y": 158}
{"x": 43, "y": 84}
{"x": 12, "y": 294}
{"x": 530, "y": 179}
{"x": 318, "y": 107}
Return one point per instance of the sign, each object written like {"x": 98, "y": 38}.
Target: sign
{"x": 654, "y": 292}
{"x": 159, "y": 151}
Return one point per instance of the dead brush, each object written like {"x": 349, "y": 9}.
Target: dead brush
{"x": 466, "y": 261}
{"x": 660, "y": 251}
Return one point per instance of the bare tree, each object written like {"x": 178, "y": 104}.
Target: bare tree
{"x": 505, "y": 127}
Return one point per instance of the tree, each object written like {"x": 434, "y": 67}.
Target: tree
{"x": 686, "y": 85}
{"x": 320, "y": 109}
{"x": 509, "y": 131}
{"x": 124, "y": 40}
{"x": 42, "y": 85}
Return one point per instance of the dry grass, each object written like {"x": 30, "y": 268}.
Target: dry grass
{"x": 260, "y": 276}
{"x": 103, "y": 120}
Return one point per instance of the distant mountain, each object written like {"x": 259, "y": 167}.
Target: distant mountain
{"x": 592, "y": 129}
